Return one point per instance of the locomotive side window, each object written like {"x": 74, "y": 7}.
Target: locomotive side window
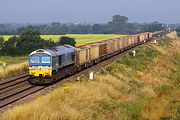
{"x": 54, "y": 61}
{"x": 67, "y": 56}
{"x": 60, "y": 60}
{"x": 73, "y": 56}
{"x": 87, "y": 54}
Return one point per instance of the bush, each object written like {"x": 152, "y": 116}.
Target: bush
{"x": 1, "y": 42}
{"x": 178, "y": 33}
{"x": 67, "y": 40}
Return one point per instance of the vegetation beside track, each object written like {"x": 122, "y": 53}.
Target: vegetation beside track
{"x": 9, "y": 60}
{"x": 12, "y": 66}
{"x": 13, "y": 70}
{"x": 122, "y": 90}
{"x": 178, "y": 34}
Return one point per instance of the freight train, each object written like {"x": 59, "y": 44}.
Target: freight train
{"x": 47, "y": 66}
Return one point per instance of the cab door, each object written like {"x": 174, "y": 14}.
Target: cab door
{"x": 55, "y": 63}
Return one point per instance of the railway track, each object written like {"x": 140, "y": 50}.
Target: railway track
{"x": 14, "y": 89}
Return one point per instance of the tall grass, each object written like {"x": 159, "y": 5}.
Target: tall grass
{"x": 9, "y": 60}
{"x": 13, "y": 70}
{"x": 95, "y": 100}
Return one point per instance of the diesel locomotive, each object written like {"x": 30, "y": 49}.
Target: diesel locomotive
{"x": 44, "y": 63}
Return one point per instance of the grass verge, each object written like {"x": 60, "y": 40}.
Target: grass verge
{"x": 13, "y": 70}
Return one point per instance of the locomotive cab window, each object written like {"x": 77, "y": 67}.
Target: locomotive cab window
{"x": 45, "y": 59}
{"x": 34, "y": 59}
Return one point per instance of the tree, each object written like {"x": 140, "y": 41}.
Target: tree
{"x": 152, "y": 27}
{"x": 119, "y": 25}
{"x": 10, "y": 46}
{"x": 98, "y": 28}
{"x": 117, "y": 19}
{"x": 178, "y": 29}
{"x": 30, "y": 27}
{"x": 1, "y": 42}
{"x": 67, "y": 40}
{"x": 30, "y": 40}
{"x": 25, "y": 43}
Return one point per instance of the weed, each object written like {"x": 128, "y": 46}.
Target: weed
{"x": 107, "y": 105}
{"x": 165, "y": 41}
{"x": 178, "y": 33}
{"x": 143, "y": 97}
{"x": 131, "y": 110}
{"x": 164, "y": 88}
{"x": 143, "y": 58}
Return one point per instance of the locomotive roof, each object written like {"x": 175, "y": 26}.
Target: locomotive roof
{"x": 57, "y": 50}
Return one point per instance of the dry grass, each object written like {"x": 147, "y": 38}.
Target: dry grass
{"x": 125, "y": 93}
{"x": 161, "y": 107}
{"x": 13, "y": 70}
{"x": 85, "y": 100}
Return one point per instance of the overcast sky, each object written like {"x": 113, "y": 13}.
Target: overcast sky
{"x": 100, "y": 11}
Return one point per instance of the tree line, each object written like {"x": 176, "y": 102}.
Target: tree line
{"x": 118, "y": 25}
{"x": 29, "y": 39}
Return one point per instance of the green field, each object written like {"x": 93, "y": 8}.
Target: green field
{"x": 9, "y": 60}
{"x": 81, "y": 39}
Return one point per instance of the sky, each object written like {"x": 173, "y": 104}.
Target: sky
{"x": 87, "y": 11}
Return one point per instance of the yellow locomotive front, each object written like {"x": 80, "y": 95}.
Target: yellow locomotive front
{"x": 40, "y": 65}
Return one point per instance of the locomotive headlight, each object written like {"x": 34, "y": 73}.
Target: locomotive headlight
{"x": 33, "y": 68}
{"x": 46, "y": 68}
{"x": 30, "y": 68}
